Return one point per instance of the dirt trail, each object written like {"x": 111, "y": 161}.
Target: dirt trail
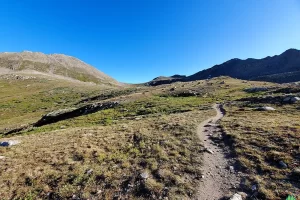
{"x": 218, "y": 180}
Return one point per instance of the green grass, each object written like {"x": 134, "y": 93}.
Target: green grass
{"x": 151, "y": 130}
{"x": 24, "y": 101}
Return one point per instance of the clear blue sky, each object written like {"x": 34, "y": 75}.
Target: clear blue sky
{"x": 137, "y": 40}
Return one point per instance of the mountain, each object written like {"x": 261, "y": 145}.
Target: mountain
{"x": 281, "y": 68}
{"x": 53, "y": 64}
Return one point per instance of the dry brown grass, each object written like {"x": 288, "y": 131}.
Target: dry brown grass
{"x": 164, "y": 145}
{"x": 150, "y": 131}
{"x": 261, "y": 140}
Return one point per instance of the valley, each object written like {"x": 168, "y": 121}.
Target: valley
{"x": 146, "y": 147}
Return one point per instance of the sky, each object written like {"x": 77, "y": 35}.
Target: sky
{"x": 135, "y": 41}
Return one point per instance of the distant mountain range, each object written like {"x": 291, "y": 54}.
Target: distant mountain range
{"x": 281, "y": 68}
{"x": 52, "y": 64}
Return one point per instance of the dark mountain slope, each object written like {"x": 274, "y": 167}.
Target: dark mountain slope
{"x": 281, "y": 68}
{"x": 289, "y": 61}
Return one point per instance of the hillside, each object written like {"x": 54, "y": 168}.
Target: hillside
{"x": 281, "y": 68}
{"x": 89, "y": 141}
{"x": 53, "y": 64}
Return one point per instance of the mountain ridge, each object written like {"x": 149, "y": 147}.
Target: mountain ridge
{"x": 58, "y": 64}
{"x": 263, "y": 69}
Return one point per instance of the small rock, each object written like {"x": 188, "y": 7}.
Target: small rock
{"x": 2, "y": 157}
{"x": 236, "y": 197}
{"x": 296, "y": 174}
{"x": 144, "y": 175}
{"x": 89, "y": 171}
{"x": 254, "y": 187}
{"x": 9, "y": 143}
{"x": 99, "y": 191}
{"x": 231, "y": 169}
{"x": 282, "y": 164}
{"x": 209, "y": 151}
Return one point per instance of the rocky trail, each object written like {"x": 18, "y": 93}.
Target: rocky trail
{"x": 219, "y": 176}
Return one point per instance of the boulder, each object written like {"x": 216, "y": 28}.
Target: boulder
{"x": 243, "y": 194}
{"x": 294, "y": 99}
{"x": 9, "y": 143}
{"x": 256, "y": 89}
{"x": 265, "y": 108}
{"x": 64, "y": 114}
{"x": 236, "y": 196}
{"x": 286, "y": 99}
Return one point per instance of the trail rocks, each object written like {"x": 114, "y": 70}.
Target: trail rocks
{"x": 216, "y": 180}
{"x": 9, "y": 143}
{"x": 208, "y": 151}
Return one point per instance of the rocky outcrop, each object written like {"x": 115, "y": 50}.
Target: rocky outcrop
{"x": 63, "y": 114}
{"x": 256, "y": 89}
{"x": 73, "y": 112}
{"x": 285, "y": 99}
